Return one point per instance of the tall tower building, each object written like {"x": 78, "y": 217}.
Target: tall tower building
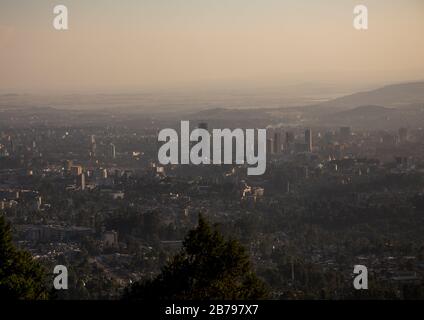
{"x": 289, "y": 140}
{"x": 278, "y": 142}
{"x": 68, "y": 165}
{"x": 112, "y": 151}
{"x": 81, "y": 181}
{"x": 308, "y": 140}
{"x": 93, "y": 146}
{"x": 11, "y": 147}
{"x": 76, "y": 170}
{"x": 269, "y": 147}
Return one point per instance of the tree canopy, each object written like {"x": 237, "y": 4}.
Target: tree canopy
{"x": 21, "y": 277}
{"x": 207, "y": 267}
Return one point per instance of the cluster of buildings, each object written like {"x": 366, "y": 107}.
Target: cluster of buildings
{"x": 66, "y": 185}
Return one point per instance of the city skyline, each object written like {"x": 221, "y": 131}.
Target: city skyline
{"x": 193, "y": 150}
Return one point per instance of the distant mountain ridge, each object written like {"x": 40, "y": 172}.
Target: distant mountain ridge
{"x": 396, "y": 95}
{"x": 365, "y": 110}
{"x": 391, "y": 106}
{"x": 404, "y": 96}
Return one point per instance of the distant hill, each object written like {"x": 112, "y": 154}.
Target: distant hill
{"x": 376, "y": 117}
{"x": 387, "y": 107}
{"x": 365, "y": 111}
{"x": 396, "y": 95}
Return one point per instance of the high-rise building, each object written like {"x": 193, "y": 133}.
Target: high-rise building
{"x": 110, "y": 239}
{"x": 308, "y": 140}
{"x": 11, "y": 147}
{"x": 112, "y": 151}
{"x": 38, "y": 202}
{"x": 278, "y": 142}
{"x": 3, "y": 151}
{"x": 93, "y": 146}
{"x": 76, "y": 170}
{"x": 68, "y": 165}
{"x": 81, "y": 181}
{"x": 289, "y": 140}
{"x": 269, "y": 146}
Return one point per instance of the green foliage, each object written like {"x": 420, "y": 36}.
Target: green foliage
{"x": 208, "y": 267}
{"x": 20, "y": 276}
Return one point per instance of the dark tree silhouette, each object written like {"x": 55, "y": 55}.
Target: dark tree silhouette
{"x": 20, "y": 276}
{"x": 208, "y": 267}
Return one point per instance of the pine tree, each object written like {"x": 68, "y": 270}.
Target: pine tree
{"x": 20, "y": 276}
{"x": 208, "y": 267}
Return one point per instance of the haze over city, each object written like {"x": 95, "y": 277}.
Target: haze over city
{"x": 228, "y": 150}
{"x": 198, "y": 46}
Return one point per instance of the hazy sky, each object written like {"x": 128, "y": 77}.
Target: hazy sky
{"x": 153, "y": 44}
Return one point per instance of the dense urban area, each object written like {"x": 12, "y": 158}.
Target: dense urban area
{"x": 86, "y": 190}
